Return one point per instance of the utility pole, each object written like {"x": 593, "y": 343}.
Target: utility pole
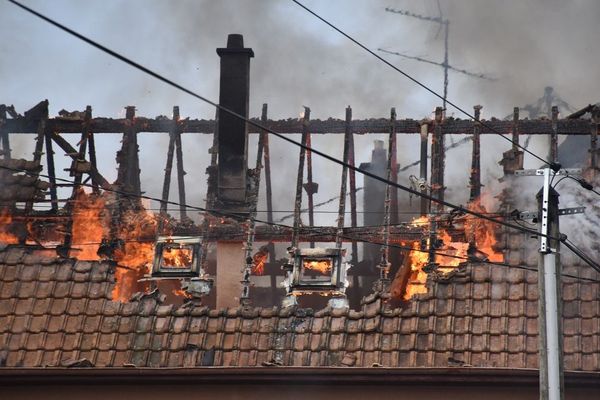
{"x": 550, "y": 348}
{"x": 549, "y": 300}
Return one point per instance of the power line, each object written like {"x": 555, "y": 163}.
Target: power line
{"x": 414, "y": 80}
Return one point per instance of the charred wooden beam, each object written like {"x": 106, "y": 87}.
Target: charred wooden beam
{"x": 344, "y": 183}
{"x": 385, "y": 264}
{"x": 554, "y": 136}
{"x": 300, "y": 179}
{"x": 4, "y": 136}
{"x": 266, "y": 233}
{"x": 180, "y": 172}
{"x": 51, "y": 171}
{"x": 310, "y": 186}
{"x": 76, "y": 170}
{"x": 515, "y": 129}
{"x": 169, "y": 164}
{"x": 71, "y": 152}
{"x": 353, "y": 214}
{"x": 128, "y": 176}
{"x": 423, "y": 167}
{"x": 437, "y": 159}
{"x": 475, "y": 177}
{"x": 512, "y": 160}
{"x": 40, "y": 114}
{"x": 594, "y": 151}
{"x": 23, "y": 125}
{"x": 79, "y": 165}
{"x": 93, "y": 165}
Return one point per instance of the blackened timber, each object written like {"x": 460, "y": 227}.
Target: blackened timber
{"x": 515, "y": 129}
{"x": 77, "y": 172}
{"x": 475, "y": 177}
{"x": 437, "y": 159}
{"x": 180, "y": 172}
{"x": 310, "y": 186}
{"x": 93, "y": 165}
{"x": 579, "y": 127}
{"x": 384, "y": 265}
{"x": 4, "y": 133}
{"x": 344, "y": 184}
{"x": 169, "y": 164}
{"x": 423, "y": 167}
{"x": 128, "y": 177}
{"x": 234, "y": 91}
{"x": 71, "y": 152}
{"x": 79, "y": 164}
{"x": 554, "y": 136}
{"x": 269, "y": 233}
{"x": 51, "y": 170}
{"x": 594, "y": 151}
{"x": 353, "y": 214}
{"x": 41, "y": 116}
{"x": 300, "y": 179}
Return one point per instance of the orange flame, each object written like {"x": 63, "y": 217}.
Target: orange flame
{"x": 259, "y": 259}
{"x": 173, "y": 257}
{"x": 480, "y": 233}
{"x": 88, "y": 225}
{"x": 321, "y": 266}
{"x": 138, "y": 230}
{"x": 5, "y": 235}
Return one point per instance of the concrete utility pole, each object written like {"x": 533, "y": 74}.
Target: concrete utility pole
{"x": 549, "y": 299}
{"x": 549, "y": 272}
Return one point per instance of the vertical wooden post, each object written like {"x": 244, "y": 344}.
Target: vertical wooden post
{"x": 515, "y": 129}
{"x": 393, "y": 154}
{"x": 180, "y": 172}
{"x": 343, "y": 186}
{"x": 169, "y": 165}
{"x": 423, "y": 166}
{"x": 39, "y": 144}
{"x": 310, "y": 187}
{"x": 475, "y": 178}
{"x": 353, "y": 216}
{"x": 554, "y": 136}
{"x": 4, "y": 133}
{"x": 92, "y": 156}
{"x": 51, "y": 170}
{"x": 594, "y": 131}
{"x": 300, "y": 179}
{"x": 128, "y": 159}
{"x": 268, "y": 188}
{"x": 85, "y": 131}
{"x": 384, "y": 266}
{"x": 75, "y": 170}
{"x": 437, "y": 159}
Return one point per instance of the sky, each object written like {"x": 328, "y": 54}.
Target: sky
{"x": 299, "y": 61}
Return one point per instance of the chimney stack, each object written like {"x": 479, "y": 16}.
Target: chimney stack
{"x": 233, "y": 132}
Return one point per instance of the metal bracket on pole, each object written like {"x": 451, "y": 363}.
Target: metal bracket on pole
{"x": 540, "y": 172}
{"x": 562, "y": 211}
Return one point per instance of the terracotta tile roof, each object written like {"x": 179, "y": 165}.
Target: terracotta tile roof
{"x": 56, "y": 312}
